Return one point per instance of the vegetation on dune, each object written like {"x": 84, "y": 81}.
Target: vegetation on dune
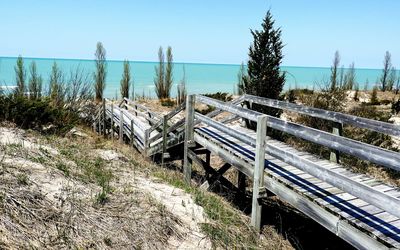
{"x": 101, "y": 71}
{"x": 125, "y": 83}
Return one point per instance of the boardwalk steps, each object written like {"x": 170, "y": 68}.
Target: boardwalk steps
{"x": 361, "y": 210}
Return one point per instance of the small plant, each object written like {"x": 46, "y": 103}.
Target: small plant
{"x": 63, "y": 167}
{"x": 167, "y": 102}
{"x": 22, "y": 179}
{"x": 374, "y": 97}
{"x": 396, "y": 106}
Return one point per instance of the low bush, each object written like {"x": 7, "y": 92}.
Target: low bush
{"x": 396, "y": 106}
{"x": 167, "y": 102}
{"x": 36, "y": 114}
{"x": 225, "y": 97}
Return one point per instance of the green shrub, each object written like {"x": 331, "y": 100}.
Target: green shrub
{"x": 225, "y": 97}
{"x": 396, "y": 106}
{"x": 36, "y": 114}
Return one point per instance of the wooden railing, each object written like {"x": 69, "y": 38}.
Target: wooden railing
{"x": 380, "y": 156}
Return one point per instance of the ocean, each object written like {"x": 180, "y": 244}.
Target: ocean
{"x": 200, "y": 78}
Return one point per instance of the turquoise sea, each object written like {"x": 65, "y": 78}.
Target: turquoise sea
{"x": 200, "y": 78}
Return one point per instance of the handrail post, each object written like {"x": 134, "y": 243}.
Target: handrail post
{"x": 164, "y": 131}
{"x": 104, "y": 117}
{"x": 146, "y": 141}
{"x": 112, "y": 121}
{"x": 189, "y": 137}
{"x": 132, "y": 133}
{"x": 121, "y": 126}
{"x": 258, "y": 179}
{"x": 336, "y": 130}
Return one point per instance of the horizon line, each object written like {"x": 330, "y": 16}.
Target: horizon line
{"x": 178, "y": 62}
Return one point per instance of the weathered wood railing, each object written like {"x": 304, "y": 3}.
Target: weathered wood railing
{"x": 361, "y": 150}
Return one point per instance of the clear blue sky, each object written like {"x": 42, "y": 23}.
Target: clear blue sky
{"x": 203, "y": 30}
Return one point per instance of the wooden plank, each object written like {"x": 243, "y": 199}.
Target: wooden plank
{"x": 322, "y": 216}
{"x": 112, "y": 121}
{"x": 165, "y": 138}
{"x": 378, "y": 126}
{"x": 361, "y": 190}
{"x": 336, "y": 130}
{"x": 104, "y": 118}
{"x": 121, "y": 126}
{"x": 189, "y": 137}
{"x": 258, "y": 179}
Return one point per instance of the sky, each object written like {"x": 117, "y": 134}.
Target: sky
{"x": 202, "y": 31}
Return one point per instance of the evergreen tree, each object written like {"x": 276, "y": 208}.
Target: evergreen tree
{"x": 241, "y": 86}
{"x": 20, "y": 75}
{"x": 35, "y": 82}
{"x": 334, "y": 72}
{"x": 101, "y": 71}
{"x": 160, "y": 72}
{"x": 56, "y": 85}
{"x": 126, "y": 80}
{"x": 169, "y": 78}
{"x": 265, "y": 56}
{"x": 387, "y": 65}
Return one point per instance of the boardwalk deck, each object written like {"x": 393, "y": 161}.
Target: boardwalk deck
{"x": 356, "y": 207}
{"x": 366, "y": 219}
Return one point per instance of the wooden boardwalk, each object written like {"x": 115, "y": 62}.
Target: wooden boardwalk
{"x": 361, "y": 210}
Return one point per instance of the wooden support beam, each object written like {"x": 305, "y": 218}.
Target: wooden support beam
{"x": 215, "y": 177}
{"x": 258, "y": 179}
{"x": 165, "y": 137}
{"x": 112, "y": 121}
{"x": 189, "y": 139}
{"x": 104, "y": 118}
{"x": 121, "y": 126}
{"x": 241, "y": 181}
{"x": 336, "y": 130}
{"x": 209, "y": 169}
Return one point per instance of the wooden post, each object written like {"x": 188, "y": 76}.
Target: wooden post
{"x": 99, "y": 121}
{"x": 146, "y": 141}
{"x": 258, "y": 179}
{"x": 112, "y": 121}
{"x": 189, "y": 137}
{"x": 164, "y": 142}
{"x": 104, "y": 118}
{"x": 241, "y": 182}
{"x": 132, "y": 133}
{"x": 336, "y": 130}
{"x": 121, "y": 126}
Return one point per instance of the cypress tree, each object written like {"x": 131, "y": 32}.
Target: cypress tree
{"x": 168, "y": 73}
{"x": 20, "y": 75}
{"x": 387, "y": 65}
{"x": 101, "y": 71}
{"x": 35, "y": 82}
{"x": 56, "y": 84}
{"x": 159, "y": 78}
{"x": 265, "y": 56}
{"x": 126, "y": 80}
